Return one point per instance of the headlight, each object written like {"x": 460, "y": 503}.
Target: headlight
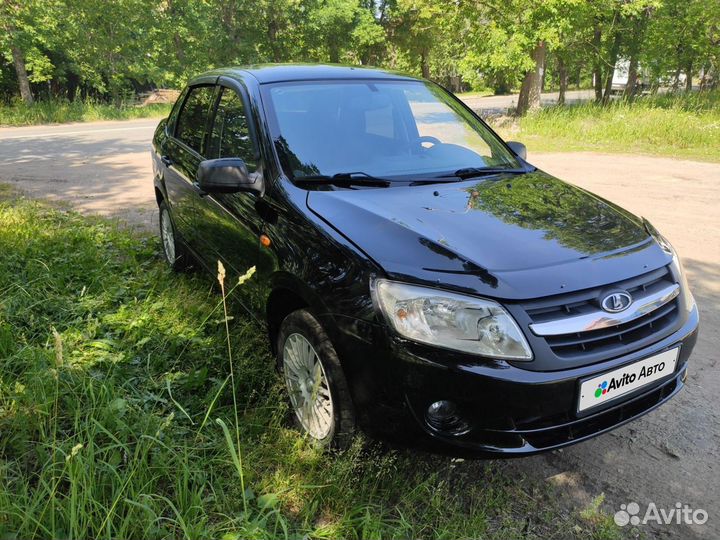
{"x": 659, "y": 238}
{"x": 676, "y": 265}
{"x": 450, "y": 320}
{"x": 680, "y": 272}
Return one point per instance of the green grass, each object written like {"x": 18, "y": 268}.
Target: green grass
{"x": 117, "y": 416}
{"x": 683, "y": 126}
{"x": 60, "y": 111}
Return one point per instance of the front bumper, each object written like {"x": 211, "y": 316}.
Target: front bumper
{"x": 511, "y": 411}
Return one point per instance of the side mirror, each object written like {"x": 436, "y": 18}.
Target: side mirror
{"x": 519, "y": 149}
{"x": 227, "y": 175}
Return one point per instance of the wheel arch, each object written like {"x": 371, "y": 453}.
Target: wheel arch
{"x": 288, "y": 294}
{"x": 159, "y": 195}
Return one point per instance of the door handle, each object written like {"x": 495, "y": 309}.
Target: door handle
{"x": 166, "y": 161}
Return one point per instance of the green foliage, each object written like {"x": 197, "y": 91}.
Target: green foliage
{"x": 683, "y": 36}
{"x": 60, "y": 111}
{"x": 118, "y": 419}
{"x": 682, "y": 126}
{"x": 31, "y": 26}
{"x": 106, "y": 48}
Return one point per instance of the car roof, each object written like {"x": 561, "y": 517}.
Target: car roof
{"x": 273, "y": 73}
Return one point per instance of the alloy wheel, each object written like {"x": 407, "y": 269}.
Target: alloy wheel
{"x": 168, "y": 236}
{"x": 308, "y": 386}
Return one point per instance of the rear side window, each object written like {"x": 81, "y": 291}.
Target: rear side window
{"x": 193, "y": 117}
{"x": 172, "y": 117}
{"x": 230, "y": 135}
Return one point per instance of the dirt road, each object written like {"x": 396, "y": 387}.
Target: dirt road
{"x": 671, "y": 455}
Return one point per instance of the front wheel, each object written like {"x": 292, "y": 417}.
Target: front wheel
{"x": 316, "y": 385}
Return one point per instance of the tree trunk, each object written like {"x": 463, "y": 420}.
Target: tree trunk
{"x": 597, "y": 65}
{"x": 179, "y": 50}
{"x": 424, "y": 64}
{"x": 703, "y": 78}
{"x": 272, "y": 31}
{"x": 676, "y": 79}
{"x": 529, "y": 98}
{"x": 608, "y": 81}
{"x": 639, "y": 27}
{"x": 455, "y": 84}
{"x": 614, "y": 49}
{"x": 688, "y": 77}
{"x": 501, "y": 85}
{"x": 632, "y": 77}
{"x": 73, "y": 84}
{"x": 563, "y": 80}
{"x": 334, "y": 51}
{"x": 22, "y": 76}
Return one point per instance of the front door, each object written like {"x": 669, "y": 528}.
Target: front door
{"x": 228, "y": 225}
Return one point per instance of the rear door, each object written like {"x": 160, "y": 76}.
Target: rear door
{"x": 228, "y": 225}
{"x": 183, "y": 153}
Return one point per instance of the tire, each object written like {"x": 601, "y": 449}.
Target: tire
{"x": 302, "y": 342}
{"x": 176, "y": 254}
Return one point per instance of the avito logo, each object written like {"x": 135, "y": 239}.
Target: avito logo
{"x": 627, "y": 378}
{"x": 629, "y": 514}
{"x": 615, "y": 383}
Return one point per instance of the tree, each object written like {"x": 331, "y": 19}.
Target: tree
{"x": 19, "y": 63}
{"x": 415, "y": 27}
{"x": 12, "y": 15}
{"x": 329, "y": 23}
{"x": 530, "y": 90}
{"x": 26, "y": 27}
{"x": 368, "y": 35}
{"x": 541, "y": 24}
{"x": 106, "y": 49}
{"x": 683, "y": 36}
{"x": 639, "y": 26}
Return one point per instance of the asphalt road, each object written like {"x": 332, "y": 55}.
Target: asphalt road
{"x": 500, "y": 104}
{"x": 671, "y": 455}
{"x": 100, "y": 167}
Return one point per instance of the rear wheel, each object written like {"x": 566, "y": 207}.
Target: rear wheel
{"x": 316, "y": 385}
{"x": 176, "y": 254}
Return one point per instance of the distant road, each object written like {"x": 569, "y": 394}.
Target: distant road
{"x": 502, "y": 103}
{"x": 99, "y": 167}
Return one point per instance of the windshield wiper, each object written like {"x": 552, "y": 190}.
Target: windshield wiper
{"x": 474, "y": 172}
{"x": 356, "y": 178}
{"x": 449, "y": 179}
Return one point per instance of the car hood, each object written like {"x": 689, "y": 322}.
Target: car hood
{"x": 513, "y": 237}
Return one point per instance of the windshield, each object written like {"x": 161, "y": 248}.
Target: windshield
{"x": 388, "y": 129}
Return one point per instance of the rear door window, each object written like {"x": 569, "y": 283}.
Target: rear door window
{"x": 193, "y": 117}
{"x": 172, "y": 117}
{"x": 230, "y": 135}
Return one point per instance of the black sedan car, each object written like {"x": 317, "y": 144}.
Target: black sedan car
{"x": 418, "y": 277}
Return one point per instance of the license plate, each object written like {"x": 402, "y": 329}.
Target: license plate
{"x": 613, "y": 384}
